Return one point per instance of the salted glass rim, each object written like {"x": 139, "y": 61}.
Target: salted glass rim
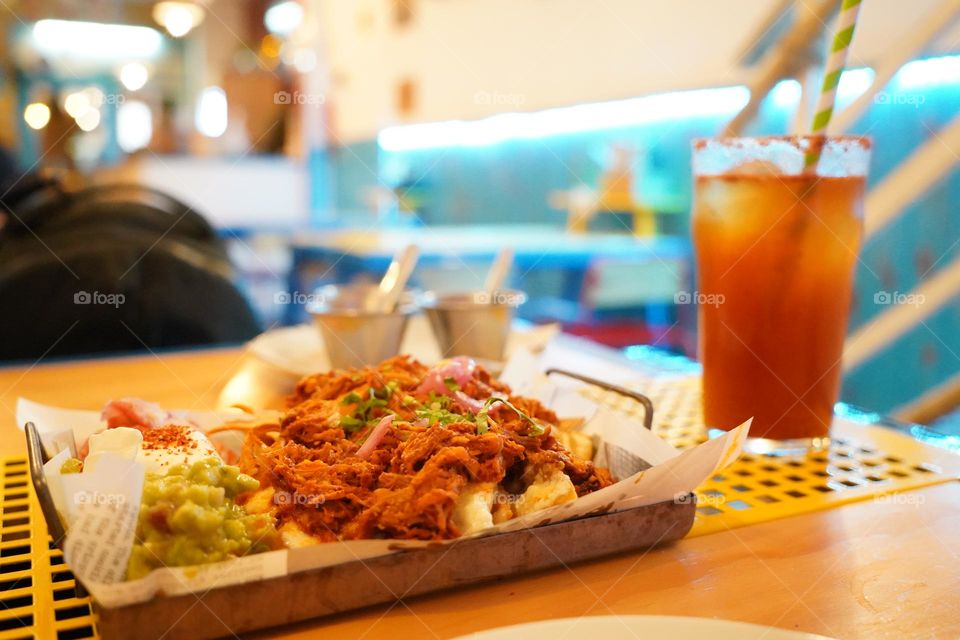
{"x": 840, "y": 156}
{"x": 865, "y": 140}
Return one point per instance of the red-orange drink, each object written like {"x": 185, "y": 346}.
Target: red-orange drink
{"x": 776, "y": 249}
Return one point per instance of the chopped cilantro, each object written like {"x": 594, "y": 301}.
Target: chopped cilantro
{"x": 482, "y": 424}
{"x": 351, "y": 398}
{"x": 363, "y": 412}
{"x": 436, "y": 414}
{"x": 536, "y": 429}
{"x": 351, "y": 424}
{"x": 442, "y": 401}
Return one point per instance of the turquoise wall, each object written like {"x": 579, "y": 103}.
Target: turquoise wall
{"x": 912, "y": 248}
{"x": 510, "y": 183}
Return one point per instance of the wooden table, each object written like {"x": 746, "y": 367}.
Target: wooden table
{"x": 865, "y": 570}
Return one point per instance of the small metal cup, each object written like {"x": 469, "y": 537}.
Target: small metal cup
{"x": 475, "y": 323}
{"x": 353, "y": 336}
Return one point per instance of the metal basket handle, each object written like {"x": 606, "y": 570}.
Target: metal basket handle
{"x": 623, "y": 391}
{"x": 36, "y": 458}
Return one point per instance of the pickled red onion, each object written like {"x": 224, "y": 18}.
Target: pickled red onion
{"x": 459, "y": 369}
{"x": 468, "y": 403}
{"x": 375, "y": 436}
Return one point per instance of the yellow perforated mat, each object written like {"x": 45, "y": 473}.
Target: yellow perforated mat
{"x": 862, "y": 462}
{"x": 37, "y": 592}
{"x": 38, "y": 599}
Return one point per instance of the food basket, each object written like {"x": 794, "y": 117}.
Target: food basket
{"x": 309, "y": 587}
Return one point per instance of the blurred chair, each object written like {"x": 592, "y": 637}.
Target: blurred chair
{"x": 111, "y": 268}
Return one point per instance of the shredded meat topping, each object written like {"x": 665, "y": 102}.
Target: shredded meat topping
{"x": 408, "y": 484}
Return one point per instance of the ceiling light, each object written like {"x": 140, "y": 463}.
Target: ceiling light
{"x": 178, "y": 18}
{"x": 134, "y": 125}
{"x": 283, "y": 18}
{"x": 76, "y": 104}
{"x": 211, "y": 116}
{"x": 95, "y": 40}
{"x": 36, "y": 115}
{"x": 305, "y": 60}
{"x": 89, "y": 119}
{"x": 134, "y": 75}
{"x": 663, "y": 107}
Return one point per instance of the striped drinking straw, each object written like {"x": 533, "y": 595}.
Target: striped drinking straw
{"x": 836, "y": 61}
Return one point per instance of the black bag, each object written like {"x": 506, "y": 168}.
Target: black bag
{"x": 115, "y": 268}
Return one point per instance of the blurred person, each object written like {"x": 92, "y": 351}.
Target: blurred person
{"x": 110, "y": 268}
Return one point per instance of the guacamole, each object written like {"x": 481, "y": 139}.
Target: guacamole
{"x": 188, "y": 516}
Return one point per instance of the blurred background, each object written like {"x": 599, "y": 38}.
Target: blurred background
{"x": 291, "y": 144}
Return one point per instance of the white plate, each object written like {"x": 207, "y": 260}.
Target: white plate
{"x": 641, "y": 627}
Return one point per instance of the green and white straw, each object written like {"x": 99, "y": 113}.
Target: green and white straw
{"x": 836, "y": 61}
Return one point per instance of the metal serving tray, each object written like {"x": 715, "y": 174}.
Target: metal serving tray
{"x": 312, "y": 593}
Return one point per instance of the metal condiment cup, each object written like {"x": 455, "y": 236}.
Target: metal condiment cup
{"x": 475, "y": 323}
{"x": 354, "y": 336}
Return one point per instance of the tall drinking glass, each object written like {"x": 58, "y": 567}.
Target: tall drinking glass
{"x": 776, "y": 248}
